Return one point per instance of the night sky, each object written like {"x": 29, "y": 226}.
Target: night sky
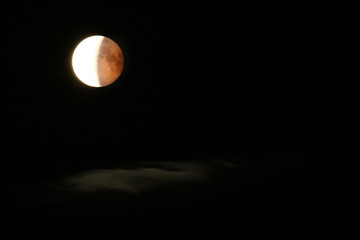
{"x": 225, "y": 121}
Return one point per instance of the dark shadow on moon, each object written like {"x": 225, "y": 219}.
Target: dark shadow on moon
{"x": 110, "y": 62}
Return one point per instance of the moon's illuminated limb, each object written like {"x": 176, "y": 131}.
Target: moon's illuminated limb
{"x": 97, "y": 61}
{"x": 84, "y": 60}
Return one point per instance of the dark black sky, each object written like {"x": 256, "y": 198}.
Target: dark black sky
{"x": 263, "y": 87}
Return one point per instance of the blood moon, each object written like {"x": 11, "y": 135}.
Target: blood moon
{"x": 97, "y": 61}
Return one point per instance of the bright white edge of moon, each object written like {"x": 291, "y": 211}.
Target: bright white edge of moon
{"x": 84, "y": 60}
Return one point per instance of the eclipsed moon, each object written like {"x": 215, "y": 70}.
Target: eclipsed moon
{"x": 97, "y": 61}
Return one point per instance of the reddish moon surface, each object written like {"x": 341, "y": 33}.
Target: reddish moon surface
{"x": 98, "y": 61}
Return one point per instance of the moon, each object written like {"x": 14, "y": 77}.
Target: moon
{"x": 97, "y": 61}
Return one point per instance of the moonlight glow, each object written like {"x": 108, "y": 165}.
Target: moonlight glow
{"x": 97, "y": 61}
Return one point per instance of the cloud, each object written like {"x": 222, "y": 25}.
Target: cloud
{"x": 145, "y": 177}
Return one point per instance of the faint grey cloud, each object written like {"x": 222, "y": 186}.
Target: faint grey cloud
{"x": 138, "y": 180}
